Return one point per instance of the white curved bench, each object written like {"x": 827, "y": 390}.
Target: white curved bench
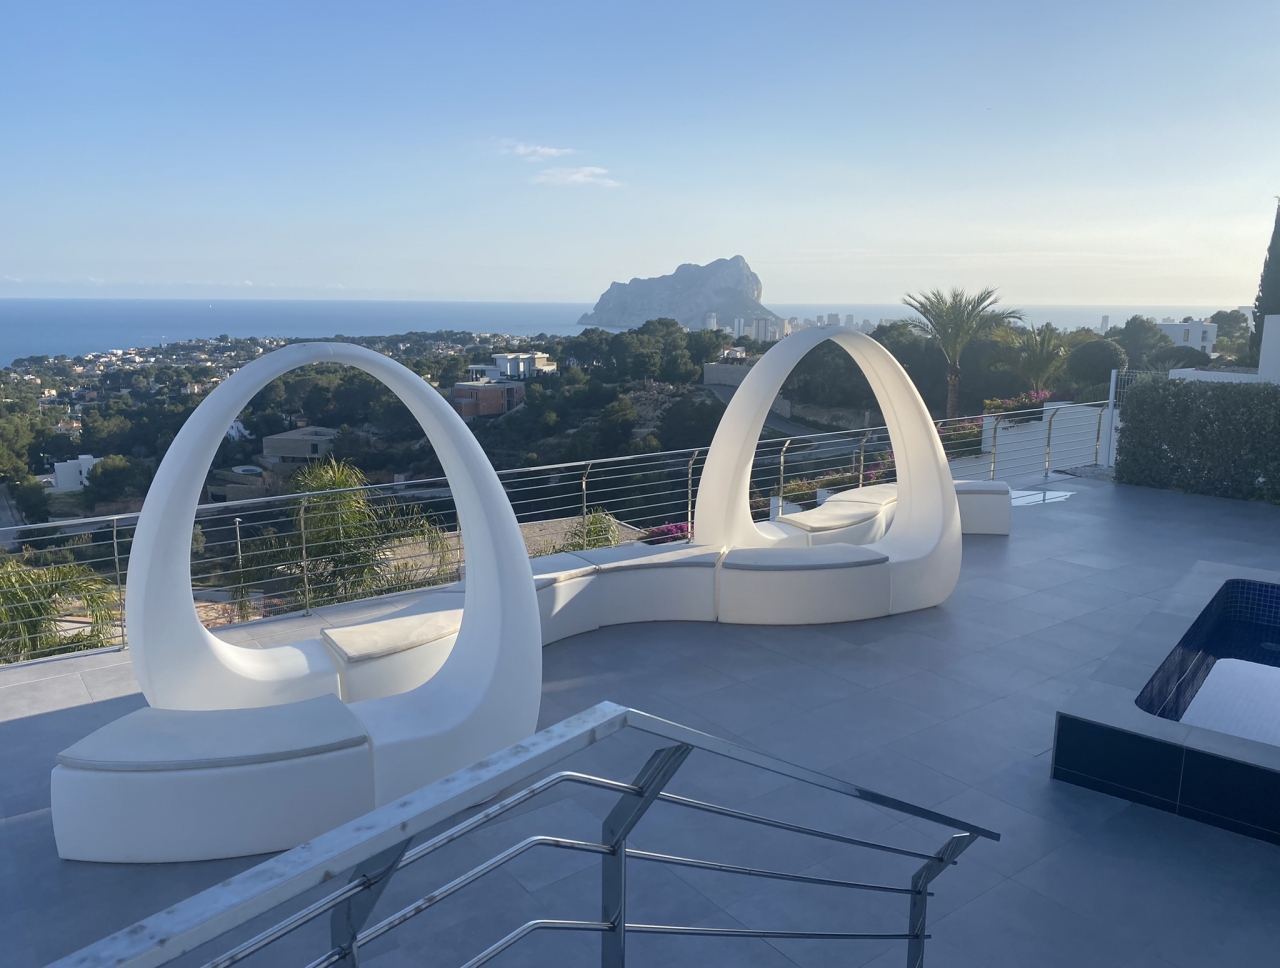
{"x": 254, "y": 780}
{"x": 803, "y": 586}
{"x": 432, "y": 688}
{"x": 923, "y": 545}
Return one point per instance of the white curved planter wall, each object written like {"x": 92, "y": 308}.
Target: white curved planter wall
{"x": 923, "y": 545}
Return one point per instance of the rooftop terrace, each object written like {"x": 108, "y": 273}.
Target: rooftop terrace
{"x": 951, "y": 708}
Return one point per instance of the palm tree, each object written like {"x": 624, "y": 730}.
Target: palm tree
{"x": 350, "y": 546}
{"x": 1036, "y": 355}
{"x": 37, "y": 605}
{"x": 953, "y": 320}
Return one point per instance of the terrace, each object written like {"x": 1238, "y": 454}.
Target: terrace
{"x": 950, "y": 708}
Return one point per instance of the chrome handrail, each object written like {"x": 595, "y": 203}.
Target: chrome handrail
{"x": 252, "y": 564}
{"x": 375, "y": 847}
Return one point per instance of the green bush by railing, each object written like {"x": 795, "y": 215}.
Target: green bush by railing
{"x": 1221, "y": 439}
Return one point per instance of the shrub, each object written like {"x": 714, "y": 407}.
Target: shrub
{"x": 1031, "y": 400}
{"x": 962, "y": 438}
{"x": 1177, "y": 357}
{"x": 599, "y": 529}
{"x": 665, "y": 533}
{"x": 1091, "y": 363}
{"x": 1221, "y": 439}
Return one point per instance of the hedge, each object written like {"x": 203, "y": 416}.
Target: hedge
{"x": 1221, "y": 439}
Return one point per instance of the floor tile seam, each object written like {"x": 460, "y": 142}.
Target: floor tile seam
{"x": 31, "y": 682}
{"x": 1017, "y": 669}
{"x": 1127, "y": 925}
{"x": 933, "y": 712}
{"x": 984, "y": 736}
{"x": 972, "y": 786}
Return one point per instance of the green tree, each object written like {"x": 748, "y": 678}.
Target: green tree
{"x": 16, "y": 436}
{"x": 617, "y": 420}
{"x": 1036, "y": 355}
{"x": 690, "y": 422}
{"x": 116, "y": 478}
{"x": 32, "y": 500}
{"x": 954, "y": 319}
{"x": 1232, "y": 324}
{"x": 1091, "y": 363}
{"x": 1139, "y": 338}
{"x": 1267, "y": 302}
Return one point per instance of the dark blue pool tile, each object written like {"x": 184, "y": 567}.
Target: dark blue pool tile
{"x": 1227, "y": 823}
{"x": 1136, "y": 763}
{"x": 1227, "y": 788}
{"x": 1114, "y": 789}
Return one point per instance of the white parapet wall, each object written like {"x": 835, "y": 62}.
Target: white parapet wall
{"x": 1268, "y": 362}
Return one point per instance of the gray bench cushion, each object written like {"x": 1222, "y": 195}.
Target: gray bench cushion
{"x": 186, "y": 739}
{"x": 982, "y": 487}
{"x": 802, "y": 559}
{"x": 831, "y": 516}
{"x": 386, "y": 636}
{"x": 563, "y": 566}
{"x": 881, "y": 494}
{"x": 628, "y": 557}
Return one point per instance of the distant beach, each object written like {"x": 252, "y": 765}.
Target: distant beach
{"x": 30, "y": 327}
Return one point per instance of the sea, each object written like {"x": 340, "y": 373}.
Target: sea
{"x": 49, "y": 327}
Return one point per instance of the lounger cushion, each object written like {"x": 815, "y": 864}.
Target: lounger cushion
{"x": 832, "y": 516}
{"x": 628, "y": 557}
{"x": 802, "y": 559}
{"x": 982, "y": 487}
{"x": 881, "y": 494}
{"x": 564, "y": 566}
{"x": 372, "y": 640}
{"x": 150, "y": 740}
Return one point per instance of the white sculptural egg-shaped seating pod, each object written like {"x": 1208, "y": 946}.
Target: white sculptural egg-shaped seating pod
{"x": 767, "y": 578}
{"x": 247, "y": 750}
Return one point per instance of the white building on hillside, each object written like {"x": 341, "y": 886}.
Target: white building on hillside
{"x": 512, "y": 366}
{"x": 72, "y": 475}
{"x": 1199, "y": 334}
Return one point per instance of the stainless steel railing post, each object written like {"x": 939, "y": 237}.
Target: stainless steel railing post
{"x": 622, "y": 819}
{"x": 1048, "y": 440}
{"x": 115, "y": 552}
{"x": 920, "y": 882}
{"x": 306, "y": 571}
{"x": 1097, "y": 444}
{"x": 782, "y": 472}
{"x": 688, "y": 526}
{"x": 995, "y": 436}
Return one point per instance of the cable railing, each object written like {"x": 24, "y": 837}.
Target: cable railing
{"x": 62, "y": 585}
{"x": 222, "y": 926}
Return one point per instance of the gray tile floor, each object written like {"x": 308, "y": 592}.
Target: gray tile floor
{"x": 951, "y": 708}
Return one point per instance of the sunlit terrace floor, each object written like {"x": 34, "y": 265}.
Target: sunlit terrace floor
{"x": 952, "y": 708}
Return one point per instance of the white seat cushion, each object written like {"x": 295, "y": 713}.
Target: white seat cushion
{"x": 982, "y": 487}
{"x": 372, "y": 640}
{"x": 818, "y": 558}
{"x": 563, "y": 566}
{"x": 881, "y": 494}
{"x": 628, "y": 557}
{"x": 832, "y": 515}
{"x": 150, "y": 740}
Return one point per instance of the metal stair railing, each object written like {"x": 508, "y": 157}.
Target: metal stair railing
{"x": 375, "y": 847}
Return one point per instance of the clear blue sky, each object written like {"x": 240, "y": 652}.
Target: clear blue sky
{"x": 1085, "y": 152}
